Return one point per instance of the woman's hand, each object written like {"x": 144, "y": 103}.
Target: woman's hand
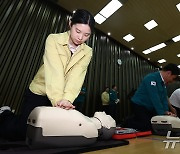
{"x": 65, "y": 104}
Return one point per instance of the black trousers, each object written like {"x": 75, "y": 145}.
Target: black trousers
{"x": 141, "y": 119}
{"x": 112, "y": 110}
{"x": 105, "y": 108}
{"x": 13, "y": 127}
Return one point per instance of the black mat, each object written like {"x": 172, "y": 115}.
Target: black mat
{"x": 22, "y": 148}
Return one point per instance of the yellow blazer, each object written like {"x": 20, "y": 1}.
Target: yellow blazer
{"x": 62, "y": 75}
{"x": 105, "y": 98}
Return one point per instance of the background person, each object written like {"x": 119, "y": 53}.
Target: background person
{"x": 113, "y": 101}
{"x": 105, "y": 100}
{"x": 151, "y": 98}
{"x": 80, "y": 100}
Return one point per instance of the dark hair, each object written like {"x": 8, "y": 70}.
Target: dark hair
{"x": 173, "y": 68}
{"x": 106, "y": 87}
{"x": 83, "y": 17}
{"x": 113, "y": 86}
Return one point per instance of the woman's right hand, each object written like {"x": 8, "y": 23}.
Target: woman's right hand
{"x": 65, "y": 104}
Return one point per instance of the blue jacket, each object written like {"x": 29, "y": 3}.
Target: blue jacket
{"x": 82, "y": 96}
{"x": 62, "y": 75}
{"x": 152, "y": 94}
{"x": 113, "y": 97}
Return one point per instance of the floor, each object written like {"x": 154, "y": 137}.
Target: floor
{"x": 144, "y": 145}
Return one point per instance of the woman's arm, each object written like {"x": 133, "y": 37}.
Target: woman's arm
{"x": 54, "y": 72}
{"x": 75, "y": 77}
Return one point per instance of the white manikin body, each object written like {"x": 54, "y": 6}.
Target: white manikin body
{"x": 56, "y": 127}
{"x": 162, "y": 124}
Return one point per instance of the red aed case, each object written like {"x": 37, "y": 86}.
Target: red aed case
{"x": 128, "y": 133}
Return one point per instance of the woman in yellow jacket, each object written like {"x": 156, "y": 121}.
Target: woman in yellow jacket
{"x": 60, "y": 78}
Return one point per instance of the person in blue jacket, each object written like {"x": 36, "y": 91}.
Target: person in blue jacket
{"x": 151, "y": 97}
{"x": 80, "y": 100}
{"x": 113, "y": 96}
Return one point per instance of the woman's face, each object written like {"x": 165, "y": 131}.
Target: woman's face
{"x": 79, "y": 33}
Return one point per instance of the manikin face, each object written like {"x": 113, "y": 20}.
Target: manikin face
{"x": 79, "y": 33}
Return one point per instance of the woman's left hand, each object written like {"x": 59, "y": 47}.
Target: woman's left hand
{"x": 65, "y": 104}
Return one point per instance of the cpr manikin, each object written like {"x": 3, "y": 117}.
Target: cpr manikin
{"x": 57, "y": 127}
{"x": 161, "y": 124}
